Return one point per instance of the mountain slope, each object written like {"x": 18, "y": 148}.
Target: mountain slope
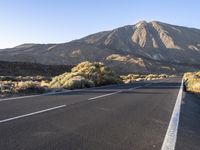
{"x": 154, "y": 40}
{"x": 143, "y": 46}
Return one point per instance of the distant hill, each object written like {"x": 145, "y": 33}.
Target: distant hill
{"x": 143, "y": 47}
{"x": 31, "y": 69}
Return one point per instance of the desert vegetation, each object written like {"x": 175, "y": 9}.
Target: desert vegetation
{"x": 192, "y": 82}
{"x": 84, "y": 75}
{"x": 130, "y": 78}
{"x": 8, "y": 88}
{"x": 19, "y": 85}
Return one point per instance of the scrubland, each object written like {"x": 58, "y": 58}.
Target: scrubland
{"x": 84, "y": 75}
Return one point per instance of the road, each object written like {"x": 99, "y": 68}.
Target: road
{"x": 120, "y": 117}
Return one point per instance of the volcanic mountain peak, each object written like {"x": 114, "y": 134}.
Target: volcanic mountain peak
{"x": 141, "y": 23}
{"x": 151, "y": 41}
{"x": 144, "y": 35}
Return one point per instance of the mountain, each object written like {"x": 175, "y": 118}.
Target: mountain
{"x": 143, "y": 47}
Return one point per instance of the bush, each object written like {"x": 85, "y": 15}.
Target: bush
{"x": 86, "y": 74}
{"x": 78, "y": 82}
{"x": 6, "y": 87}
{"x": 28, "y": 87}
{"x": 192, "y": 82}
{"x": 130, "y": 78}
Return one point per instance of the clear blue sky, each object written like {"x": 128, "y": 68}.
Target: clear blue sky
{"x": 57, "y": 21}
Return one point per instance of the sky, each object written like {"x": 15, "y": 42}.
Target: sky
{"x": 59, "y": 21}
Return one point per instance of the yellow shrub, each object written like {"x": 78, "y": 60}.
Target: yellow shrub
{"x": 28, "y": 87}
{"x": 192, "y": 81}
{"x": 86, "y": 74}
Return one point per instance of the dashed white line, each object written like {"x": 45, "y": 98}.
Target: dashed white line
{"x": 30, "y": 96}
{"x": 31, "y": 114}
{"x": 50, "y": 93}
{"x": 148, "y": 84}
{"x": 135, "y": 88}
{"x": 171, "y": 135}
{"x": 109, "y": 94}
{"x": 104, "y": 95}
{"x": 21, "y": 97}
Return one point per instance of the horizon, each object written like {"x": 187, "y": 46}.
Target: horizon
{"x": 59, "y": 22}
{"x": 93, "y": 33}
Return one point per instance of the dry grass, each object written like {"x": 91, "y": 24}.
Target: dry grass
{"x": 192, "y": 81}
{"x": 22, "y": 87}
{"x": 28, "y": 87}
{"x": 131, "y": 78}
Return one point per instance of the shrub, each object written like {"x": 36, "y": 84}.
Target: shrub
{"x": 28, "y": 87}
{"x": 192, "y": 82}
{"x": 6, "y": 87}
{"x": 78, "y": 82}
{"x": 130, "y": 78}
{"x": 44, "y": 84}
{"x": 86, "y": 74}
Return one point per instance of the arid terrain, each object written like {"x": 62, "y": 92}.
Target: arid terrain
{"x": 146, "y": 47}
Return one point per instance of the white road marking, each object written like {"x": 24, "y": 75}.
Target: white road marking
{"x": 31, "y": 114}
{"x": 45, "y": 94}
{"x": 135, "y": 88}
{"x": 148, "y": 84}
{"x": 104, "y": 95}
{"x": 65, "y": 91}
{"x": 171, "y": 135}
{"x": 116, "y": 92}
{"x": 21, "y": 97}
{"x": 52, "y": 93}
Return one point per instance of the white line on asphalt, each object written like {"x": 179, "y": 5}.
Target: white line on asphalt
{"x": 135, "y": 88}
{"x": 104, "y": 95}
{"x": 171, "y": 135}
{"x": 116, "y": 92}
{"x": 52, "y": 93}
{"x": 21, "y": 97}
{"x": 45, "y": 94}
{"x": 31, "y": 114}
{"x": 148, "y": 84}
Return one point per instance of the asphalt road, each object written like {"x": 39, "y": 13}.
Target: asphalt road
{"x": 121, "y": 117}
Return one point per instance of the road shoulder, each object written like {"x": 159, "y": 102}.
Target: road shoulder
{"x": 189, "y": 131}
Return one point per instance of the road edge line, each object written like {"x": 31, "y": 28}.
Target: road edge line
{"x": 169, "y": 142}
